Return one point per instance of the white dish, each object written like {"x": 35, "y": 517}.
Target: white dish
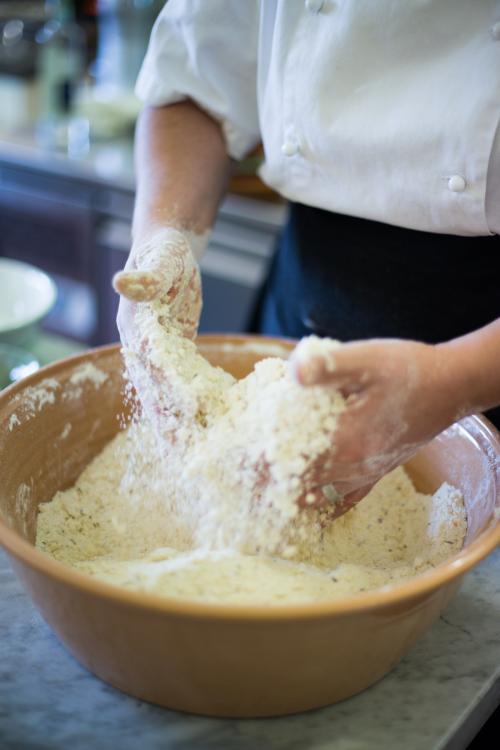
{"x": 26, "y": 296}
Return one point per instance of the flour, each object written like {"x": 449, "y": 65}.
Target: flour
{"x": 88, "y": 373}
{"x": 14, "y": 421}
{"x": 200, "y": 498}
{"x": 262, "y": 348}
{"x": 33, "y": 399}
{"x": 66, "y": 431}
{"x": 119, "y": 526}
{"x": 238, "y": 450}
{"x": 315, "y": 355}
{"x": 197, "y": 241}
{"x": 22, "y": 505}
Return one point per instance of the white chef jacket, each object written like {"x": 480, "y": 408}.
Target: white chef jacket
{"x": 382, "y": 109}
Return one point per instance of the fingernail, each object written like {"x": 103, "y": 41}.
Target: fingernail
{"x": 331, "y": 494}
{"x": 310, "y": 371}
{"x": 314, "y": 359}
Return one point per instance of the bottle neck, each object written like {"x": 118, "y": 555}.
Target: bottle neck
{"x": 62, "y": 10}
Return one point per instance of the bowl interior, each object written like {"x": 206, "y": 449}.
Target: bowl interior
{"x": 466, "y": 456}
{"x": 58, "y": 419}
{"x": 26, "y": 294}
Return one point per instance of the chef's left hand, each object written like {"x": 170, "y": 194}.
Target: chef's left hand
{"x": 397, "y": 399}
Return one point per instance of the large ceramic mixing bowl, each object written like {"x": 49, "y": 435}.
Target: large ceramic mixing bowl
{"x": 205, "y": 658}
{"x": 26, "y": 296}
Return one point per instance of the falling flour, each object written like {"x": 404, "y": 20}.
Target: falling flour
{"x": 235, "y": 452}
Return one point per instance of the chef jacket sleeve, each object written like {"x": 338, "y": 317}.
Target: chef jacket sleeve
{"x": 206, "y": 50}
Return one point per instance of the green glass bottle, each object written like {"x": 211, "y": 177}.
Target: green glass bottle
{"x": 61, "y": 69}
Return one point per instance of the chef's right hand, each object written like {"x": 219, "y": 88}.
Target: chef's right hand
{"x": 160, "y": 267}
{"x": 159, "y": 285}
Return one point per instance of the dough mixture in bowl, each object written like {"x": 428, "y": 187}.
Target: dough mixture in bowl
{"x": 120, "y": 524}
{"x": 199, "y": 498}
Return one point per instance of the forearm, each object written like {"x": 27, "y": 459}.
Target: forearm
{"x": 471, "y": 369}
{"x": 182, "y": 169}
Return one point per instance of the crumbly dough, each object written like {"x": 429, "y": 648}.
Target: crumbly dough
{"x": 199, "y": 498}
{"x": 239, "y": 450}
{"x": 121, "y": 523}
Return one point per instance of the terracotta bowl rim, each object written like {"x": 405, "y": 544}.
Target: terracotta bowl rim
{"x": 420, "y": 586}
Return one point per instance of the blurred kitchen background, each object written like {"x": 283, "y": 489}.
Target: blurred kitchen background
{"x": 67, "y": 115}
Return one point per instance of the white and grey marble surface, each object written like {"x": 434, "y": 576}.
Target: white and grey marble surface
{"x": 436, "y": 698}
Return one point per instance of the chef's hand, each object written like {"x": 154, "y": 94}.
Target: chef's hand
{"x": 159, "y": 285}
{"x": 160, "y": 267}
{"x": 397, "y": 398}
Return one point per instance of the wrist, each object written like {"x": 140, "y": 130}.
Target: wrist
{"x": 156, "y": 234}
{"x": 458, "y": 379}
{"x": 162, "y": 236}
{"x": 435, "y": 393}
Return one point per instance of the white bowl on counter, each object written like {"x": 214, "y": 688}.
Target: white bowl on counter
{"x": 26, "y": 296}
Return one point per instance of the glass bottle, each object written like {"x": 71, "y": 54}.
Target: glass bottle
{"x": 61, "y": 68}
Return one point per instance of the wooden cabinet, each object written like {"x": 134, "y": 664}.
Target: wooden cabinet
{"x": 44, "y": 224}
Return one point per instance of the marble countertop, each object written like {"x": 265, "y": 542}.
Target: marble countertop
{"x": 435, "y": 699}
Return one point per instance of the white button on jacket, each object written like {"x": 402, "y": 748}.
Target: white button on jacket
{"x": 314, "y": 6}
{"x": 457, "y": 184}
{"x": 289, "y": 148}
{"x": 396, "y": 104}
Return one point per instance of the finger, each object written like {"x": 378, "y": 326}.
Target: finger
{"x": 312, "y": 499}
{"x": 141, "y": 286}
{"x": 320, "y": 496}
{"x": 347, "y": 502}
{"x": 323, "y": 361}
{"x": 316, "y": 500}
{"x": 158, "y": 267}
{"x": 352, "y": 498}
{"x": 145, "y": 285}
{"x": 330, "y": 498}
{"x": 313, "y": 359}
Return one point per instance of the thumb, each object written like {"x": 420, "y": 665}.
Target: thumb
{"x": 141, "y": 286}
{"x": 159, "y": 268}
{"x": 327, "y": 362}
{"x": 337, "y": 505}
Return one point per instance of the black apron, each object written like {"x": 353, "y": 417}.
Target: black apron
{"x": 351, "y": 278}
